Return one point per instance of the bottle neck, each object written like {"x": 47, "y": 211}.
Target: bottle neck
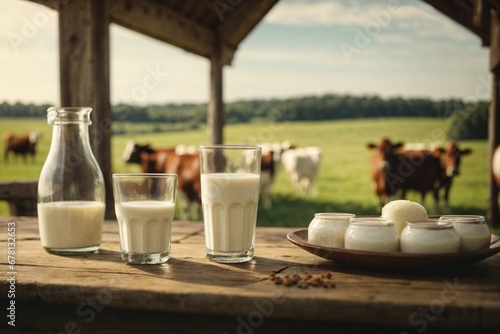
{"x": 73, "y": 135}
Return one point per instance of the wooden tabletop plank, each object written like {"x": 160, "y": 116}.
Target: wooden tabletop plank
{"x": 188, "y": 283}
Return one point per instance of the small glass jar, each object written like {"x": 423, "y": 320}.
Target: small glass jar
{"x": 372, "y": 234}
{"x": 473, "y": 231}
{"x": 429, "y": 236}
{"x": 328, "y": 229}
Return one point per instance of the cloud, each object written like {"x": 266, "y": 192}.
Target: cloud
{"x": 294, "y": 51}
{"x": 416, "y": 18}
{"x": 324, "y": 13}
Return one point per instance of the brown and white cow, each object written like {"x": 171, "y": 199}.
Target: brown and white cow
{"x": 450, "y": 158}
{"x": 20, "y": 144}
{"x": 394, "y": 171}
{"x": 133, "y": 151}
{"x": 166, "y": 160}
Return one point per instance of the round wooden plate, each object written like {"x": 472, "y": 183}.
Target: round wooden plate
{"x": 393, "y": 261}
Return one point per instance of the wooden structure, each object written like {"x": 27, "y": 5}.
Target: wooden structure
{"x": 189, "y": 294}
{"x": 212, "y": 29}
{"x": 482, "y": 17}
{"x": 21, "y": 197}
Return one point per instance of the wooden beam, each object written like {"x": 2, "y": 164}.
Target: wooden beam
{"x": 216, "y": 104}
{"x": 494, "y": 4}
{"x": 493, "y": 142}
{"x": 157, "y": 20}
{"x": 495, "y": 40}
{"x": 84, "y": 75}
{"x": 482, "y": 19}
{"x": 52, "y": 4}
{"x": 454, "y": 10}
{"x": 21, "y": 197}
{"x": 236, "y": 25}
{"x": 494, "y": 117}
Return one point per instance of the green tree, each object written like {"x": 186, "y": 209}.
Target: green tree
{"x": 470, "y": 123}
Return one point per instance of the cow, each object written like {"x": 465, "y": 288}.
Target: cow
{"x": 450, "y": 157}
{"x": 166, "y": 160}
{"x": 133, "y": 151}
{"x": 20, "y": 144}
{"x": 267, "y": 176}
{"x": 301, "y": 165}
{"x": 269, "y": 167}
{"x": 393, "y": 170}
{"x": 184, "y": 149}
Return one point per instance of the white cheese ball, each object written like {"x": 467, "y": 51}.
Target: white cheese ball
{"x": 402, "y": 210}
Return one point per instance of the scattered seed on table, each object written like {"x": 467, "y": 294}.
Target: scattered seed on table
{"x": 304, "y": 281}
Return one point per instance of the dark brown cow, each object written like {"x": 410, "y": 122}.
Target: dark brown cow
{"x": 450, "y": 158}
{"x": 385, "y": 152}
{"x": 394, "y": 171}
{"x": 133, "y": 151}
{"x": 20, "y": 145}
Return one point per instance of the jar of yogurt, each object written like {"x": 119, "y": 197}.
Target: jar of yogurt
{"x": 372, "y": 234}
{"x": 473, "y": 231}
{"x": 328, "y": 229}
{"x": 429, "y": 236}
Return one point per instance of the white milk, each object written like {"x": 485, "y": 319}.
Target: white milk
{"x": 70, "y": 224}
{"x": 230, "y": 210}
{"x": 145, "y": 226}
{"x": 473, "y": 236}
{"x": 429, "y": 240}
{"x": 372, "y": 237}
{"x": 328, "y": 229}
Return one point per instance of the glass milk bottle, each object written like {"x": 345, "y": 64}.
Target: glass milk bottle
{"x": 71, "y": 194}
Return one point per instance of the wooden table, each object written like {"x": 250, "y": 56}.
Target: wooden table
{"x": 189, "y": 294}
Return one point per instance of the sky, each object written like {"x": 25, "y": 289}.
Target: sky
{"x": 389, "y": 48}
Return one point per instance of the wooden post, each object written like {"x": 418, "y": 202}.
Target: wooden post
{"x": 493, "y": 141}
{"x": 494, "y": 117}
{"x": 216, "y": 105}
{"x": 84, "y": 75}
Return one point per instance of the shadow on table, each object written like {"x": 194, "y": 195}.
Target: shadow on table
{"x": 203, "y": 271}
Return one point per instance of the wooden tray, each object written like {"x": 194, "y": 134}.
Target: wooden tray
{"x": 393, "y": 261}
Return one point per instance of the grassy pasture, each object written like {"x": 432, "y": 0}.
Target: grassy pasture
{"x": 344, "y": 182}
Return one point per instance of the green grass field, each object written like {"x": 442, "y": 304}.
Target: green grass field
{"x": 344, "y": 181}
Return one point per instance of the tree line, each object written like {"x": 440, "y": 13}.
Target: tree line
{"x": 309, "y": 108}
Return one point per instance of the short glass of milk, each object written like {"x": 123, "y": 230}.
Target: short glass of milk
{"x": 145, "y": 208}
{"x": 230, "y": 180}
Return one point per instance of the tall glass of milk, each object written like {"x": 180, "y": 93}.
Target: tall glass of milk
{"x": 230, "y": 178}
{"x": 145, "y": 208}
{"x": 71, "y": 193}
